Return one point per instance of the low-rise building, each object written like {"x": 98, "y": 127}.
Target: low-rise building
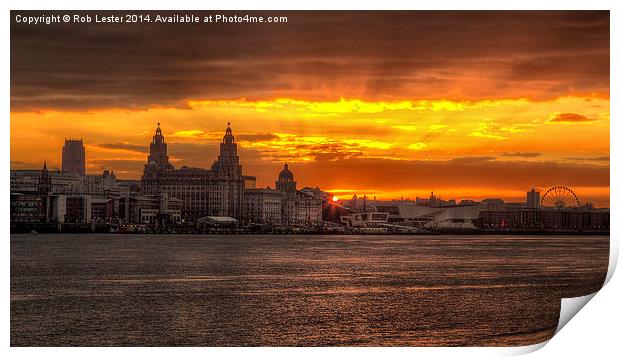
{"x": 150, "y": 209}
{"x": 77, "y": 209}
{"x": 27, "y": 181}
{"x": 263, "y": 205}
{"x": 102, "y": 209}
{"x": 28, "y": 208}
{"x": 547, "y": 219}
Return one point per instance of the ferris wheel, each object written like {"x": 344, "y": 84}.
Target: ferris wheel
{"x": 559, "y": 196}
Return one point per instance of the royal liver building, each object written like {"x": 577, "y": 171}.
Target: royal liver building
{"x": 215, "y": 192}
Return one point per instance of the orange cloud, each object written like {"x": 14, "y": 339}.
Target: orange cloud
{"x": 385, "y": 146}
{"x": 570, "y": 118}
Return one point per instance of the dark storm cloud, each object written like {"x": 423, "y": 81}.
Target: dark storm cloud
{"x": 375, "y": 55}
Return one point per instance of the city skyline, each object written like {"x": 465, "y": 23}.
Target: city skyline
{"x": 471, "y": 110}
{"x": 340, "y": 195}
{"x": 306, "y": 178}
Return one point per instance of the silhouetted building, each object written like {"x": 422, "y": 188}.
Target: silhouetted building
{"x": 149, "y": 209}
{"x": 297, "y": 205}
{"x": 101, "y": 209}
{"x": 263, "y": 205}
{"x": 286, "y": 183}
{"x": 533, "y": 199}
{"x": 493, "y": 204}
{"x": 74, "y": 157}
{"x": 215, "y": 192}
{"x": 77, "y": 209}
{"x": 28, "y": 208}
{"x": 548, "y": 220}
{"x": 434, "y": 201}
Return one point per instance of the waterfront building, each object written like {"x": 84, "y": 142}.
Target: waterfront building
{"x": 493, "y": 204}
{"x": 74, "y": 156}
{"x": 307, "y": 208}
{"x": 297, "y": 206}
{"x": 103, "y": 187}
{"x": 317, "y": 193}
{"x": 101, "y": 209}
{"x": 77, "y": 209}
{"x": 33, "y": 209}
{"x": 404, "y": 216}
{"x": 548, "y": 220}
{"x": 40, "y": 209}
{"x": 263, "y": 205}
{"x": 27, "y": 181}
{"x": 28, "y": 208}
{"x": 215, "y": 192}
{"x": 533, "y": 198}
{"x": 286, "y": 183}
{"x": 43, "y": 197}
{"x": 66, "y": 183}
{"x": 374, "y": 220}
{"x": 150, "y": 209}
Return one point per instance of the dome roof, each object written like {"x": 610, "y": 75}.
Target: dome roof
{"x": 285, "y": 174}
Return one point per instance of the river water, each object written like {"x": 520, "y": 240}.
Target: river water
{"x": 263, "y": 290}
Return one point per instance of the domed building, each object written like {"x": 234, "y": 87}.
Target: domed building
{"x": 297, "y": 206}
{"x": 224, "y": 190}
{"x": 286, "y": 180}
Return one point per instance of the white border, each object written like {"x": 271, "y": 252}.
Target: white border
{"x": 593, "y": 330}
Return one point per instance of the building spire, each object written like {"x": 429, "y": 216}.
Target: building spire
{"x": 44, "y": 165}
{"x": 228, "y": 137}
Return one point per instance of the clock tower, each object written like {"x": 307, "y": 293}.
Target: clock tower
{"x": 227, "y": 163}
{"x": 228, "y": 182}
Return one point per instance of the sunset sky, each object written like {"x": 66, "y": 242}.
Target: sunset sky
{"x": 388, "y": 104}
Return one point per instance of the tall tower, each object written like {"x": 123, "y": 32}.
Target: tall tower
{"x": 227, "y": 196}
{"x": 74, "y": 156}
{"x": 227, "y": 163}
{"x": 158, "y": 152}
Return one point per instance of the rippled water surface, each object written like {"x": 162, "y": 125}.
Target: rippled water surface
{"x": 260, "y": 290}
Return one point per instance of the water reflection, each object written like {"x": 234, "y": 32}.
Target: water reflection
{"x": 296, "y": 290}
